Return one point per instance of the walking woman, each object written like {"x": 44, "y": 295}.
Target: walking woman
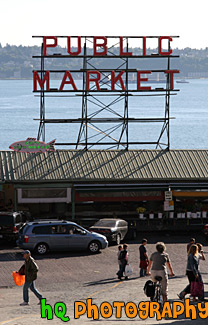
{"x": 192, "y": 272}
{"x": 158, "y": 261}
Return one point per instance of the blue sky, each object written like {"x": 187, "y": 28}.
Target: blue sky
{"x": 20, "y": 20}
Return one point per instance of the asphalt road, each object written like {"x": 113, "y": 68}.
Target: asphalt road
{"x": 73, "y": 276}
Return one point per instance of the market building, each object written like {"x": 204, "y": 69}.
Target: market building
{"x": 155, "y": 189}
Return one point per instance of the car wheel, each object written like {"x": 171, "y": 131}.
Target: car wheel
{"x": 94, "y": 247}
{"x": 42, "y": 248}
{"x": 118, "y": 239}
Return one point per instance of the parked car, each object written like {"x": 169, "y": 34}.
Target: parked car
{"x": 10, "y": 223}
{"x": 44, "y": 235}
{"x": 114, "y": 229}
{"x": 205, "y": 230}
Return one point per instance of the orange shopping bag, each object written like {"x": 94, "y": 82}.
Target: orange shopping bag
{"x": 19, "y": 280}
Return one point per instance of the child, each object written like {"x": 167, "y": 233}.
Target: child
{"x": 143, "y": 258}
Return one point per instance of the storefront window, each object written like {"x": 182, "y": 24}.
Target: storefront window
{"x": 44, "y": 195}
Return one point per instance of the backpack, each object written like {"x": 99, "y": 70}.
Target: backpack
{"x": 149, "y": 288}
{"x": 122, "y": 255}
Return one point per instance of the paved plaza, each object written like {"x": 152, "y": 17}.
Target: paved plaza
{"x": 79, "y": 280}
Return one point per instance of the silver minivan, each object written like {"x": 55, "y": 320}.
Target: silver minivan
{"x": 44, "y": 235}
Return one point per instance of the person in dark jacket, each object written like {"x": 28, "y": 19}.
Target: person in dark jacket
{"x": 124, "y": 261}
{"x": 143, "y": 258}
{"x": 120, "y": 248}
{"x": 31, "y": 270}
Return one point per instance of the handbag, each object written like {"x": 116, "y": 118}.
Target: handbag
{"x": 128, "y": 270}
{"x": 149, "y": 288}
{"x": 197, "y": 288}
{"x": 19, "y": 280}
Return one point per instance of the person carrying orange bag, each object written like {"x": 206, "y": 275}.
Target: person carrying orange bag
{"x": 30, "y": 271}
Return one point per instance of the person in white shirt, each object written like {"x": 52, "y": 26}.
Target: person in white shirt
{"x": 201, "y": 255}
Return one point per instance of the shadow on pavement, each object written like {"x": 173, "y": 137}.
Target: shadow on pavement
{"x": 16, "y": 256}
{"x": 107, "y": 281}
{"x": 5, "y": 257}
{"x": 62, "y": 254}
{"x": 104, "y": 281}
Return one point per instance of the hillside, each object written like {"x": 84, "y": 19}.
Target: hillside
{"x": 16, "y": 62}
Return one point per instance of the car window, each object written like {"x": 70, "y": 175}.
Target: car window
{"x": 60, "y": 229}
{"x": 105, "y": 223}
{"x": 122, "y": 224}
{"x": 6, "y": 220}
{"x": 42, "y": 230}
{"x": 73, "y": 230}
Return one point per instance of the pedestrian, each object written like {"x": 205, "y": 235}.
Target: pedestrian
{"x": 120, "y": 248}
{"x": 157, "y": 262}
{"x": 143, "y": 258}
{"x": 201, "y": 255}
{"x": 192, "y": 272}
{"x": 31, "y": 270}
{"x": 192, "y": 242}
{"x": 124, "y": 261}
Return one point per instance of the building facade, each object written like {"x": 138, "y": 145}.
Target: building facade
{"x": 154, "y": 189}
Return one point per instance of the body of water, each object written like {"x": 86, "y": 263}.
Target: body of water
{"x": 189, "y": 130}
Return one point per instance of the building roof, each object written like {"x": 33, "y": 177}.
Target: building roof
{"x": 104, "y": 165}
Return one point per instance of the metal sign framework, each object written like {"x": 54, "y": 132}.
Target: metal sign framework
{"x": 89, "y": 119}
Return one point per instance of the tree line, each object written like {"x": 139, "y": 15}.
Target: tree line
{"x": 16, "y": 62}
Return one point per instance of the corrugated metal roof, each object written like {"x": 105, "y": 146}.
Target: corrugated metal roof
{"x": 98, "y": 165}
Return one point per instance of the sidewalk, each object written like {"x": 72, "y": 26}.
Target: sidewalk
{"x": 126, "y": 291}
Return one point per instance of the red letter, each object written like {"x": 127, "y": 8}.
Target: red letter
{"x": 70, "y": 82}
{"x": 121, "y": 48}
{"x": 144, "y": 46}
{"x": 95, "y": 80}
{"x": 171, "y": 72}
{"x": 45, "y": 45}
{"x": 160, "y": 45}
{"x": 139, "y": 79}
{"x": 41, "y": 82}
{"x": 115, "y": 79}
{"x": 79, "y": 48}
{"x": 104, "y": 45}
